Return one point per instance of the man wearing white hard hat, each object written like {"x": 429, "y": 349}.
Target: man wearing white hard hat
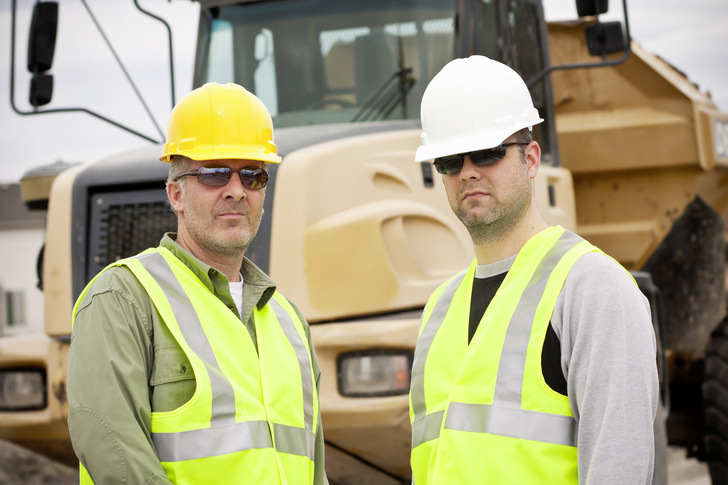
{"x": 537, "y": 363}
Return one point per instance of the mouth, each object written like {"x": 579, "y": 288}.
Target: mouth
{"x": 474, "y": 194}
{"x": 231, "y": 215}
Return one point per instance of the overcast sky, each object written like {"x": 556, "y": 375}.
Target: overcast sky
{"x": 690, "y": 35}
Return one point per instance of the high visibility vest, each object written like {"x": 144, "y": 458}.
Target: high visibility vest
{"x": 482, "y": 413}
{"x": 253, "y": 416}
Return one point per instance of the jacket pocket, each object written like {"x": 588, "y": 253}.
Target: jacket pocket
{"x": 172, "y": 381}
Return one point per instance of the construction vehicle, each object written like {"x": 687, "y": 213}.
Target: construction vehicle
{"x": 635, "y": 159}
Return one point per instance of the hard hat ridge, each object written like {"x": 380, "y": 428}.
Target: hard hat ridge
{"x": 218, "y": 121}
{"x": 472, "y": 104}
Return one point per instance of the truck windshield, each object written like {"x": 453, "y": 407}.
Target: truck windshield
{"x": 329, "y": 61}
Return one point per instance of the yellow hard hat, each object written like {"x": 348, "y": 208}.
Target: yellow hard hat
{"x": 218, "y": 121}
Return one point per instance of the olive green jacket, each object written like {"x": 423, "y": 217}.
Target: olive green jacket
{"x": 124, "y": 363}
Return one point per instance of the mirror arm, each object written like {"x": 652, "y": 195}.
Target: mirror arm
{"x": 169, "y": 36}
{"x": 583, "y": 65}
{"x": 121, "y": 65}
{"x": 58, "y": 110}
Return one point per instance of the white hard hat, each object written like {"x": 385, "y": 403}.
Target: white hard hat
{"x": 473, "y": 104}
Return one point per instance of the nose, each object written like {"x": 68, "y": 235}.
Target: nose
{"x": 234, "y": 189}
{"x": 470, "y": 171}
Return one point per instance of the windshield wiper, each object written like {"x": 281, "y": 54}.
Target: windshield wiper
{"x": 388, "y": 96}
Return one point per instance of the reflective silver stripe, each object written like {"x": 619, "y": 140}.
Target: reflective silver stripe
{"x": 203, "y": 443}
{"x": 428, "y": 428}
{"x": 513, "y": 355}
{"x": 304, "y": 361}
{"x": 223, "y": 396}
{"x": 225, "y": 435}
{"x": 293, "y": 440}
{"x": 424, "y": 341}
{"x": 517, "y": 423}
{"x": 504, "y": 417}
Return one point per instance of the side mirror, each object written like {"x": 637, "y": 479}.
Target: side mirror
{"x": 41, "y": 89}
{"x": 605, "y": 38}
{"x": 586, "y": 8}
{"x": 41, "y": 46}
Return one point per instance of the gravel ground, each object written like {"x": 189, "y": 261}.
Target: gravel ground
{"x": 685, "y": 471}
{"x": 19, "y": 466}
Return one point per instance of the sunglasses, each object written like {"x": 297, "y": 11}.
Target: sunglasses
{"x": 215, "y": 176}
{"x": 453, "y": 163}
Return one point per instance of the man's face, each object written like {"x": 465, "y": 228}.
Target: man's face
{"x": 490, "y": 200}
{"x": 217, "y": 221}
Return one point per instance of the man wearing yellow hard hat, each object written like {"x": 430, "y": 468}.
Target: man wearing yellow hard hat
{"x": 186, "y": 364}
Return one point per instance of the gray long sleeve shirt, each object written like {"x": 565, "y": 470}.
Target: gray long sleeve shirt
{"x": 124, "y": 363}
{"x": 608, "y": 354}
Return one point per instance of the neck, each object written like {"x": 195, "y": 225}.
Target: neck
{"x": 510, "y": 243}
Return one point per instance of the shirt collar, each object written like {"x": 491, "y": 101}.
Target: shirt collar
{"x": 493, "y": 269}
{"x": 213, "y": 279}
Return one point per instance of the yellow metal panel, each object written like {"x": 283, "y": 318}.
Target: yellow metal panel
{"x": 356, "y": 231}
{"x": 57, "y": 262}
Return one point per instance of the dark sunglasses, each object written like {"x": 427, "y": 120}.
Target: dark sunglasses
{"x": 213, "y": 176}
{"x": 453, "y": 163}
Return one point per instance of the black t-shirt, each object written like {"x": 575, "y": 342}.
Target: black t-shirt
{"x": 484, "y": 290}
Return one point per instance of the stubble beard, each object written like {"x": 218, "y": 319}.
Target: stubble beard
{"x": 207, "y": 234}
{"x": 487, "y": 225}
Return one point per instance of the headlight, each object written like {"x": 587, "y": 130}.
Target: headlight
{"x": 22, "y": 389}
{"x": 375, "y": 373}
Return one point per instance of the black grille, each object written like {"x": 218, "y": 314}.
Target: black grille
{"x": 126, "y": 223}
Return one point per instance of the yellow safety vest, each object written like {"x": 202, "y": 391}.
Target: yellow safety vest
{"x": 482, "y": 413}
{"x": 253, "y": 416}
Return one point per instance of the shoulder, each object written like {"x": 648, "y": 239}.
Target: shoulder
{"x": 596, "y": 265}
{"x": 446, "y": 289}
{"x": 117, "y": 282}
{"x": 597, "y": 276}
{"x": 114, "y": 306}
{"x": 600, "y": 291}
{"x": 451, "y": 283}
{"x": 297, "y": 311}
{"x": 273, "y": 296}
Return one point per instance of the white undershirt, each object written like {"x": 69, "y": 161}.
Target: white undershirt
{"x": 236, "y": 291}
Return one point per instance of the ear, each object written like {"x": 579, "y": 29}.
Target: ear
{"x": 533, "y": 158}
{"x": 175, "y": 196}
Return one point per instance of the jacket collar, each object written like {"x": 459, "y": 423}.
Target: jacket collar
{"x": 260, "y": 283}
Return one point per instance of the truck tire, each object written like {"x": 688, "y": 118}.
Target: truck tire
{"x": 715, "y": 404}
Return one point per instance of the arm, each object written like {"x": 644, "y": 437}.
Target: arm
{"x": 319, "y": 466}
{"x": 608, "y": 358}
{"x": 109, "y": 367}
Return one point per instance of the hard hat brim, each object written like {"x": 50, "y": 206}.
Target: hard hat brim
{"x": 469, "y": 143}
{"x": 221, "y": 154}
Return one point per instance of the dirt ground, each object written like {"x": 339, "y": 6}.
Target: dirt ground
{"x": 19, "y": 466}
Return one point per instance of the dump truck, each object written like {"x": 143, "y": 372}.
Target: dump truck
{"x": 358, "y": 235}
